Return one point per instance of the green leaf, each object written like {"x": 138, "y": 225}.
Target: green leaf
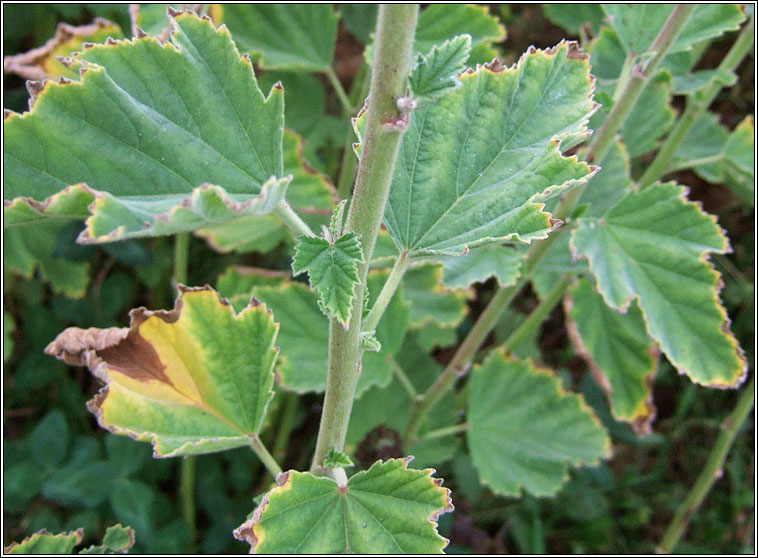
{"x": 196, "y": 379}
{"x": 739, "y": 160}
{"x": 621, "y": 356}
{"x": 310, "y": 193}
{"x": 525, "y": 431}
{"x": 79, "y": 483}
{"x": 388, "y": 509}
{"x": 652, "y": 246}
{"x": 50, "y": 439}
{"x": 43, "y": 542}
{"x": 369, "y": 342}
{"x": 475, "y": 165}
{"x": 360, "y": 19}
{"x": 332, "y": 268}
{"x": 336, "y": 458}
{"x": 436, "y": 73}
{"x": 639, "y": 25}
{"x": 31, "y": 247}
{"x": 572, "y": 16}
{"x": 430, "y": 299}
{"x": 438, "y": 23}
{"x": 117, "y": 540}
{"x": 294, "y": 36}
{"x": 304, "y": 97}
{"x": 203, "y": 133}
{"x": 500, "y": 262}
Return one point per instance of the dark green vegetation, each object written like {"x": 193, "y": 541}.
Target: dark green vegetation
{"x": 63, "y": 472}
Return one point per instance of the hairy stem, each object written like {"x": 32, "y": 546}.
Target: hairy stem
{"x": 447, "y": 431}
{"x": 265, "y": 456}
{"x": 712, "y": 471}
{"x": 388, "y": 290}
{"x": 385, "y": 126}
{"x": 292, "y": 220}
{"x": 697, "y": 104}
{"x": 602, "y": 141}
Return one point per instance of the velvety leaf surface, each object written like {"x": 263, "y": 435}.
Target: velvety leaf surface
{"x": 500, "y": 262}
{"x": 639, "y": 24}
{"x": 43, "y": 542}
{"x": 436, "y": 73}
{"x": 475, "y": 165}
{"x": 652, "y": 246}
{"x": 621, "y": 356}
{"x": 332, "y": 268}
{"x": 286, "y": 36}
{"x": 183, "y": 135}
{"x": 525, "y": 430}
{"x": 388, "y": 509}
{"x": 41, "y": 63}
{"x": 195, "y": 379}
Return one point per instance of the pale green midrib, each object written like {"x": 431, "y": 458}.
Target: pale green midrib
{"x": 541, "y": 143}
{"x": 231, "y": 105}
{"x": 411, "y": 178}
{"x": 316, "y": 524}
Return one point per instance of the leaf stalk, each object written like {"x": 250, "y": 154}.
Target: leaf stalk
{"x": 388, "y": 290}
{"x": 292, "y": 220}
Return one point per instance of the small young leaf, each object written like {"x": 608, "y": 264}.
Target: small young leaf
{"x": 369, "y": 342}
{"x": 525, "y": 430}
{"x": 436, "y": 73}
{"x": 332, "y": 271}
{"x": 620, "y": 354}
{"x": 43, "y": 542}
{"x": 652, "y": 246}
{"x": 388, "y": 509}
{"x": 196, "y": 379}
{"x": 336, "y": 458}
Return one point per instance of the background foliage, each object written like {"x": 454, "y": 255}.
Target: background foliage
{"x": 62, "y": 472}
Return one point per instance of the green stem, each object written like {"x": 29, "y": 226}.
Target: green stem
{"x": 181, "y": 257}
{"x": 697, "y": 104}
{"x": 597, "y": 149}
{"x": 337, "y": 85}
{"x": 403, "y": 378}
{"x": 263, "y": 454}
{"x": 388, "y": 290}
{"x": 712, "y": 471}
{"x": 293, "y": 221}
{"x": 538, "y": 315}
{"x": 286, "y": 422}
{"x": 626, "y": 73}
{"x": 385, "y": 127}
{"x": 447, "y": 431}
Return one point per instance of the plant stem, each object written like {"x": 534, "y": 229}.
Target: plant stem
{"x": 385, "y": 126}
{"x": 403, "y": 378}
{"x": 188, "y": 465}
{"x": 537, "y": 316}
{"x": 286, "y": 422}
{"x": 697, "y": 104}
{"x": 337, "y": 85}
{"x": 597, "y": 149}
{"x": 293, "y": 221}
{"x": 712, "y": 471}
{"x": 388, "y": 290}
{"x": 263, "y": 454}
{"x": 447, "y": 431}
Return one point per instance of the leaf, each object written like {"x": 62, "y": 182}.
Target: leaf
{"x": 525, "y": 431}
{"x": 360, "y": 20}
{"x": 43, "y": 542}
{"x": 572, "y": 16}
{"x": 436, "y": 73}
{"x": 500, "y": 262}
{"x": 652, "y": 246}
{"x": 304, "y": 332}
{"x": 621, "y": 356}
{"x": 430, "y": 299}
{"x": 196, "y": 379}
{"x": 84, "y": 484}
{"x": 638, "y": 25}
{"x": 50, "y": 439}
{"x": 203, "y": 133}
{"x": 117, "y": 540}
{"x": 336, "y": 458}
{"x": 332, "y": 271}
{"x": 739, "y": 160}
{"x": 475, "y": 165}
{"x": 304, "y": 97}
{"x": 388, "y": 509}
{"x": 41, "y": 63}
{"x": 296, "y": 36}
{"x": 32, "y": 247}
{"x": 310, "y": 192}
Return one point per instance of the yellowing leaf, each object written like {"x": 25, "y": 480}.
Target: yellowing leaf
{"x": 196, "y": 379}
